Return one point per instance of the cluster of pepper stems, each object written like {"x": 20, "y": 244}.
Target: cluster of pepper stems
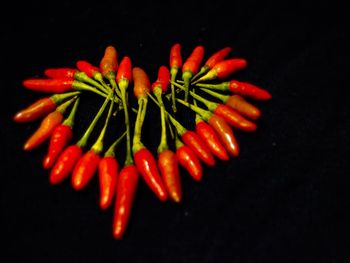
{"x": 216, "y": 121}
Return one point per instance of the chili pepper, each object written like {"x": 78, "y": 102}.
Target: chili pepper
{"x": 41, "y": 107}
{"x": 223, "y": 69}
{"x": 212, "y": 61}
{"x": 223, "y": 130}
{"x": 46, "y": 127}
{"x": 87, "y": 165}
{"x": 69, "y": 157}
{"x": 195, "y": 142}
{"x": 175, "y": 63}
{"x": 108, "y": 170}
{"x": 89, "y": 69}
{"x": 210, "y": 137}
{"x": 48, "y": 85}
{"x": 163, "y": 79}
{"x": 60, "y": 73}
{"x": 169, "y": 169}
{"x": 230, "y": 115}
{"x": 109, "y": 67}
{"x": 125, "y": 195}
{"x": 241, "y": 88}
{"x": 60, "y": 137}
{"x": 123, "y": 78}
{"x": 189, "y": 160}
{"x": 191, "y": 66}
{"x": 144, "y": 160}
{"x": 238, "y": 103}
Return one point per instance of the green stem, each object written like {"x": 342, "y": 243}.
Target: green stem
{"x": 163, "y": 145}
{"x": 81, "y": 76}
{"x": 141, "y": 113}
{"x": 98, "y": 145}
{"x": 223, "y": 86}
{"x": 69, "y": 121}
{"x": 173, "y": 73}
{"x": 205, "y": 114}
{"x": 63, "y": 107}
{"x": 202, "y": 71}
{"x": 58, "y": 98}
{"x": 111, "y": 149}
{"x": 83, "y": 141}
{"x": 123, "y": 85}
{"x": 111, "y": 78}
{"x": 217, "y": 95}
{"x": 186, "y": 76}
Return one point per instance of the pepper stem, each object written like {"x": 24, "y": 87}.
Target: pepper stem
{"x": 63, "y": 107}
{"x": 83, "y": 141}
{"x": 217, "y": 95}
{"x": 141, "y": 113}
{"x": 69, "y": 121}
{"x": 223, "y": 86}
{"x": 60, "y": 97}
{"x": 163, "y": 145}
{"x": 173, "y": 73}
{"x": 111, "y": 149}
{"x": 98, "y": 145}
{"x": 205, "y": 114}
{"x": 81, "y": 76}
{"x": 123, "y": 85}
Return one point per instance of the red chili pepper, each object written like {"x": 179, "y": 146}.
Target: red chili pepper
{"x": 234, "y": 118}
{"x": 193, "y": 62}
{"x": 61, "y": 135}
{"x": 191, "y": 67}
{"x": 225, "y": 133}
{"x": 189, "y": 160}
{"x": 125, "y": 70}
{"x": 87, "y": 68}
{"x": 84, "y": 169}
{"x": 224, "y": 69}
{"x": 48, "y": 85}
{"x": 169, "y": 169}
{"x": 175, "y": 60}
{"x": 46, "y": 127}
{"x": 196, "y": 143}
{"x": 109, "y": 62}
{"x": 125, "y": 195}
{"x": 241, "y": 88}
{"x": 210, "y": 137}
{"x": 147, "y": 167}
{"x": 141, "y": 82}
{"x": 237, "y": 103}
{"x": 41, "y": 107}
{"x": 163, "y": 79}
{"x": 213, "y": 60}
{"x": 108, "y": 176}
{"x": 60, "y": 73}
{"x": 65, "y": 164}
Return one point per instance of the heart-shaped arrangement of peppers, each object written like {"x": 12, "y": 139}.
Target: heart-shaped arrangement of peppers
{"x": 178, "y": 84}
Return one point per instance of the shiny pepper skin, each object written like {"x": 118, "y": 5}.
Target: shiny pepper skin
{"x": 141, "y": 82}
{"x": 225, "y": 133}
{"x": 87, "y": 68}
{"x": 65, "y": 164}
{"x": 60, "y": 137}
{"x": 38, "y": 109}
{"x": 193, "y": 62}
{"x": 189, "y": 160}
{"x": 147, "y": 167}
{"x": 217, "y": 57}
{"x": 108, "y": 169}
{"x": 235, "y": 119}
{"x": 48, "y": 124}
{"x": 125, "y": 70}
{"x": 248, "y": 90}
{"x": 85, "y": 169}
{"x": 125, "y": 195}
{"x": 175, "y": 60}
{"x": 60, "y": 73}
{"x": 109, "y": 61}
{"x": 48, "y": 85}
{"x": 245, "y": 108}
{"x": 163, "y": 79}
{"x": 195, "y": 142}
{"x": 210, "y": 137}
{"x": 169, "y": 169}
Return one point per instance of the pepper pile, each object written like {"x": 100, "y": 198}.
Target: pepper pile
{"x": 217, "y": 118}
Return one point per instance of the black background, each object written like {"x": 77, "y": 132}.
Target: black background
{"x": 284, "y": 199}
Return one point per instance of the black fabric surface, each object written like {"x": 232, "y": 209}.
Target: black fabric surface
{"x": 284, "y": 199}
